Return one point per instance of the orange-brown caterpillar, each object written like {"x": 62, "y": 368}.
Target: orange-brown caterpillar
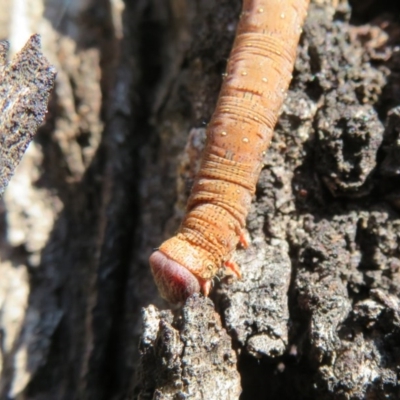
{"x": 257, "y": 77}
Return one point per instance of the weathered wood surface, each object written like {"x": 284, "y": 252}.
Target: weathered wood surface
{"x": 316, "y": 315}
{"x": 25, "y": 85}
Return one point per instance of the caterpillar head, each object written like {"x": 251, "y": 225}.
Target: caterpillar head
{"x": 175, "y": 282}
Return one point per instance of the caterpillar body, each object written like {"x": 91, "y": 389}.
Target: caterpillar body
{"x": 258, "y": 74}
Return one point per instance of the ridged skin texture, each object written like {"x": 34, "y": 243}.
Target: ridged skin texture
{"x": 257, "y": 78}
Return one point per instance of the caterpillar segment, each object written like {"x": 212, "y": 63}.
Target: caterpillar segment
{"x": 258, "y": 74}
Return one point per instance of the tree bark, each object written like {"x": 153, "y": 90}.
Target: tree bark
{"x": 316, "y": 315}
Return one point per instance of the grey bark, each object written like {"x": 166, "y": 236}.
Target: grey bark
{"x": 25, "y": 85}
{"x": 316, "y": 315}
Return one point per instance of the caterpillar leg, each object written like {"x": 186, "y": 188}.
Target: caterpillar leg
{"x": 206, "y": 287}
{"x": 233, "y": 267}
{"x": 244, "y": 239}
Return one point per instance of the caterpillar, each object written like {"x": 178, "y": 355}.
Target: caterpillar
{"x": 257, "y": 77}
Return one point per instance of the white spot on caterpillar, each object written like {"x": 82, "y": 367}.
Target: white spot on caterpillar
{"x": 260, "y": 10}
{"x": 264, "y": 79}
{"x": 244, "y": 73}
{"x": 245, "y": 140}
{"x": 282, "y": 15}
{"x": 223, "y": 133}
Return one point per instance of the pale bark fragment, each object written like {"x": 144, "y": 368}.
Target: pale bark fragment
{"x": 188, "y": 355}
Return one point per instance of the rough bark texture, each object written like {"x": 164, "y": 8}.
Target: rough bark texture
{"x": 316, "y": 315}
{"x": 189, "y": 356}
{"x": 25, "y": 85}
